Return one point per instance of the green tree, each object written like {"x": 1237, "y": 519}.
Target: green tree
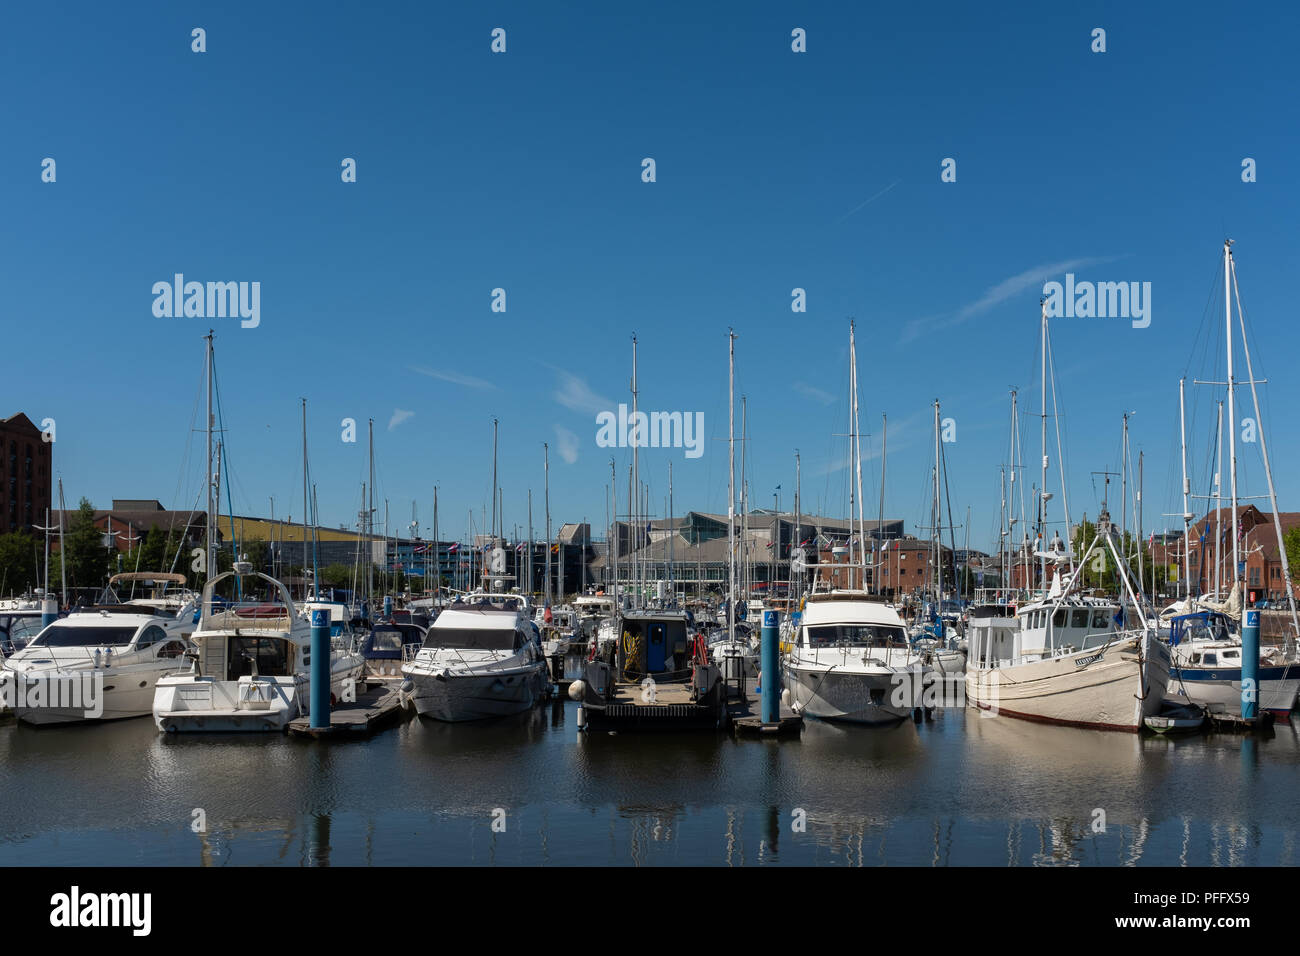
{"x": 19, "y": 566}
{"x": 1291, "y": 541}
{"x": 85, "y": 554}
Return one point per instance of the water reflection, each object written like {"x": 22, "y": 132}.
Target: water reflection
{"x": 957, "y": 791}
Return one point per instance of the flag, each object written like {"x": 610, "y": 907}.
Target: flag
{"x": 520, "y": 547}
{"x": 421, "y": 549}
{"x": 454, "y": 548}
{"x": 555, "y": 549}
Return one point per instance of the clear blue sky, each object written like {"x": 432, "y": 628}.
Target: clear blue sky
{"x": 522, "y": 170}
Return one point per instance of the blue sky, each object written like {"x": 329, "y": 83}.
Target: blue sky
{"x": 522, "y": 171}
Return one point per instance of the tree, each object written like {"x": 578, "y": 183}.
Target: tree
{"x": 85, "y": 554}
{"x": 1291, "y": 541}
{"x": 19, "y": 568}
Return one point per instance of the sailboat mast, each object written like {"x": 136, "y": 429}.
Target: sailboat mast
{"x": 1232, "y": 407}
{"x": 370, "y": 516}
{"x": 672, "y": 533}
{"x": 937, "y": 579}
{"x": 546, "y": 472}
{"x": 1182, "y": 442}
{"x": 857, "y": 459}
{"x": 437, "y": 552}
{"x": 731, "y": 484}
{"x": 529, "y": 586}
{"x": 1268, "y": 472}
{"x": 1042, "y": 419}
{"x": 613, "y": 495}
{"x": 1218, "y": 510}
{"x": 211, "y": 556}
{"x": 634, "y": 485}
{"x": 304, "y": 498}
{"x": 880, "y": 522}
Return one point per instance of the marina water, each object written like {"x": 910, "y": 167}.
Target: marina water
{"x": 529, "y": 790}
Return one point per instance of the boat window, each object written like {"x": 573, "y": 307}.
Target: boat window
{"x": 61, "y": 635}
{"x": 152, "y": 635}
{"x": 1058, "y": 618}
{"x": 271, "y": 654}
{"x": 471, "y": 638}
{"x": 1211, "y": 658}
{"x": 386, "y": 640}
{"x": 1227, "y": 654}
{"x": 172, "y": 649}
{"x": 855, "y": 635}
{"x": 1099, "y": 619}
{"x": 1079, "y": 618}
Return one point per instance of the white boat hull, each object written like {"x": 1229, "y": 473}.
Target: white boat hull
{"x": 1277, "y": 696}
{"x": 186, "y": 704}
{"x": 476, "y": 696}
{"x": 121, "y": 693}
{"x": 853, "y": 696}
{"x": 1100, "y": 688}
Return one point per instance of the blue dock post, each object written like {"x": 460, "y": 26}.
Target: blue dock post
{"x": 770, "y": 692}
{"x": 320, "y": 669}
{"x": 1250, "y": 665}
{"x": 49, "y": 611}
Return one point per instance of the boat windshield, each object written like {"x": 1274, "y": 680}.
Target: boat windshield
{"x": 855, "y": 635}
{"x": 472, "y": 638}
{"x": 61, "y": 635}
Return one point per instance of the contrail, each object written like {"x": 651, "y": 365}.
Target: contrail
{"x": 868, "y": 201}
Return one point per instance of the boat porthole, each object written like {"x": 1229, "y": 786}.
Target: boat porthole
{"x": 144, "y": 683}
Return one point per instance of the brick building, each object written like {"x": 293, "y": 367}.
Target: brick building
{"x": 25, "y": 470}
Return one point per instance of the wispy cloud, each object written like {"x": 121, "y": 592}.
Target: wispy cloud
{"x": 454, "y": 377}
{"x": 997, "y": 294}
{"x": 399, "y": 415}
{"x": 566, "y": 442}
{"x": 867, "y": 202}
{"x": 817, "y": 394}
{"x": 577, "y": 395}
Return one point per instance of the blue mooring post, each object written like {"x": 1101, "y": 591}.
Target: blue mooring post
{"x": 1250, "y": 665}
{"x": 49, "y": 611}
{"x": 388, "y": 606}
{"x": 770, "y": 692}
{"x": 320, "y": 669}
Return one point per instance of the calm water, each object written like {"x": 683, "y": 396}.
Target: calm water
{"x": 958, "y": 791}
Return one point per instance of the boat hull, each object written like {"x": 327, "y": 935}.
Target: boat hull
{"x": 187, "y": 704}
{"x": 1109, "y": 688}
{"x": 120, "y": 694}
{"x": 1220, "y": 689}
{"x": 852, "y": 696}
{"x": 456, "y": 698}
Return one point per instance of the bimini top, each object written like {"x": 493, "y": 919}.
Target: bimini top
{"x": 843, "y": 607}
{"x": 254, "y": 614}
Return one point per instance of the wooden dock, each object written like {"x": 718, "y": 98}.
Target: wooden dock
{"x": 375, "y": 708}
{"x": 745, "y": 716}
{"x": 1235, "y": 723}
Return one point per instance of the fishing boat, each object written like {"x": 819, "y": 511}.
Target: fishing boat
{"x": 852, "y": 661}
{"x": 1068, "y": 659}
{"x": 481, "y": 658}
{"x": 100, "y": 663}
{"x": 251, "y": 667}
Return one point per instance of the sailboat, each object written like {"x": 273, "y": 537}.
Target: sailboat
{"x": 1068, "y": 659}
{"x": 251, "y": 670}
{"x": 1205, "y": 639}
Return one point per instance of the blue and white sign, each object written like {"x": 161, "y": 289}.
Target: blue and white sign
{"x": 320, "y": 617}
{"x": 769, "y": 619}
{"x": 1252, "y": 618}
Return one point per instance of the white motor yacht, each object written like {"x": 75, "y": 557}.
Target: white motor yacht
{"x": 851, "y": 661}
{"x": 96, "y": 664}
{"x": 481, "y": 658}
{"x": 251, "y": 670}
